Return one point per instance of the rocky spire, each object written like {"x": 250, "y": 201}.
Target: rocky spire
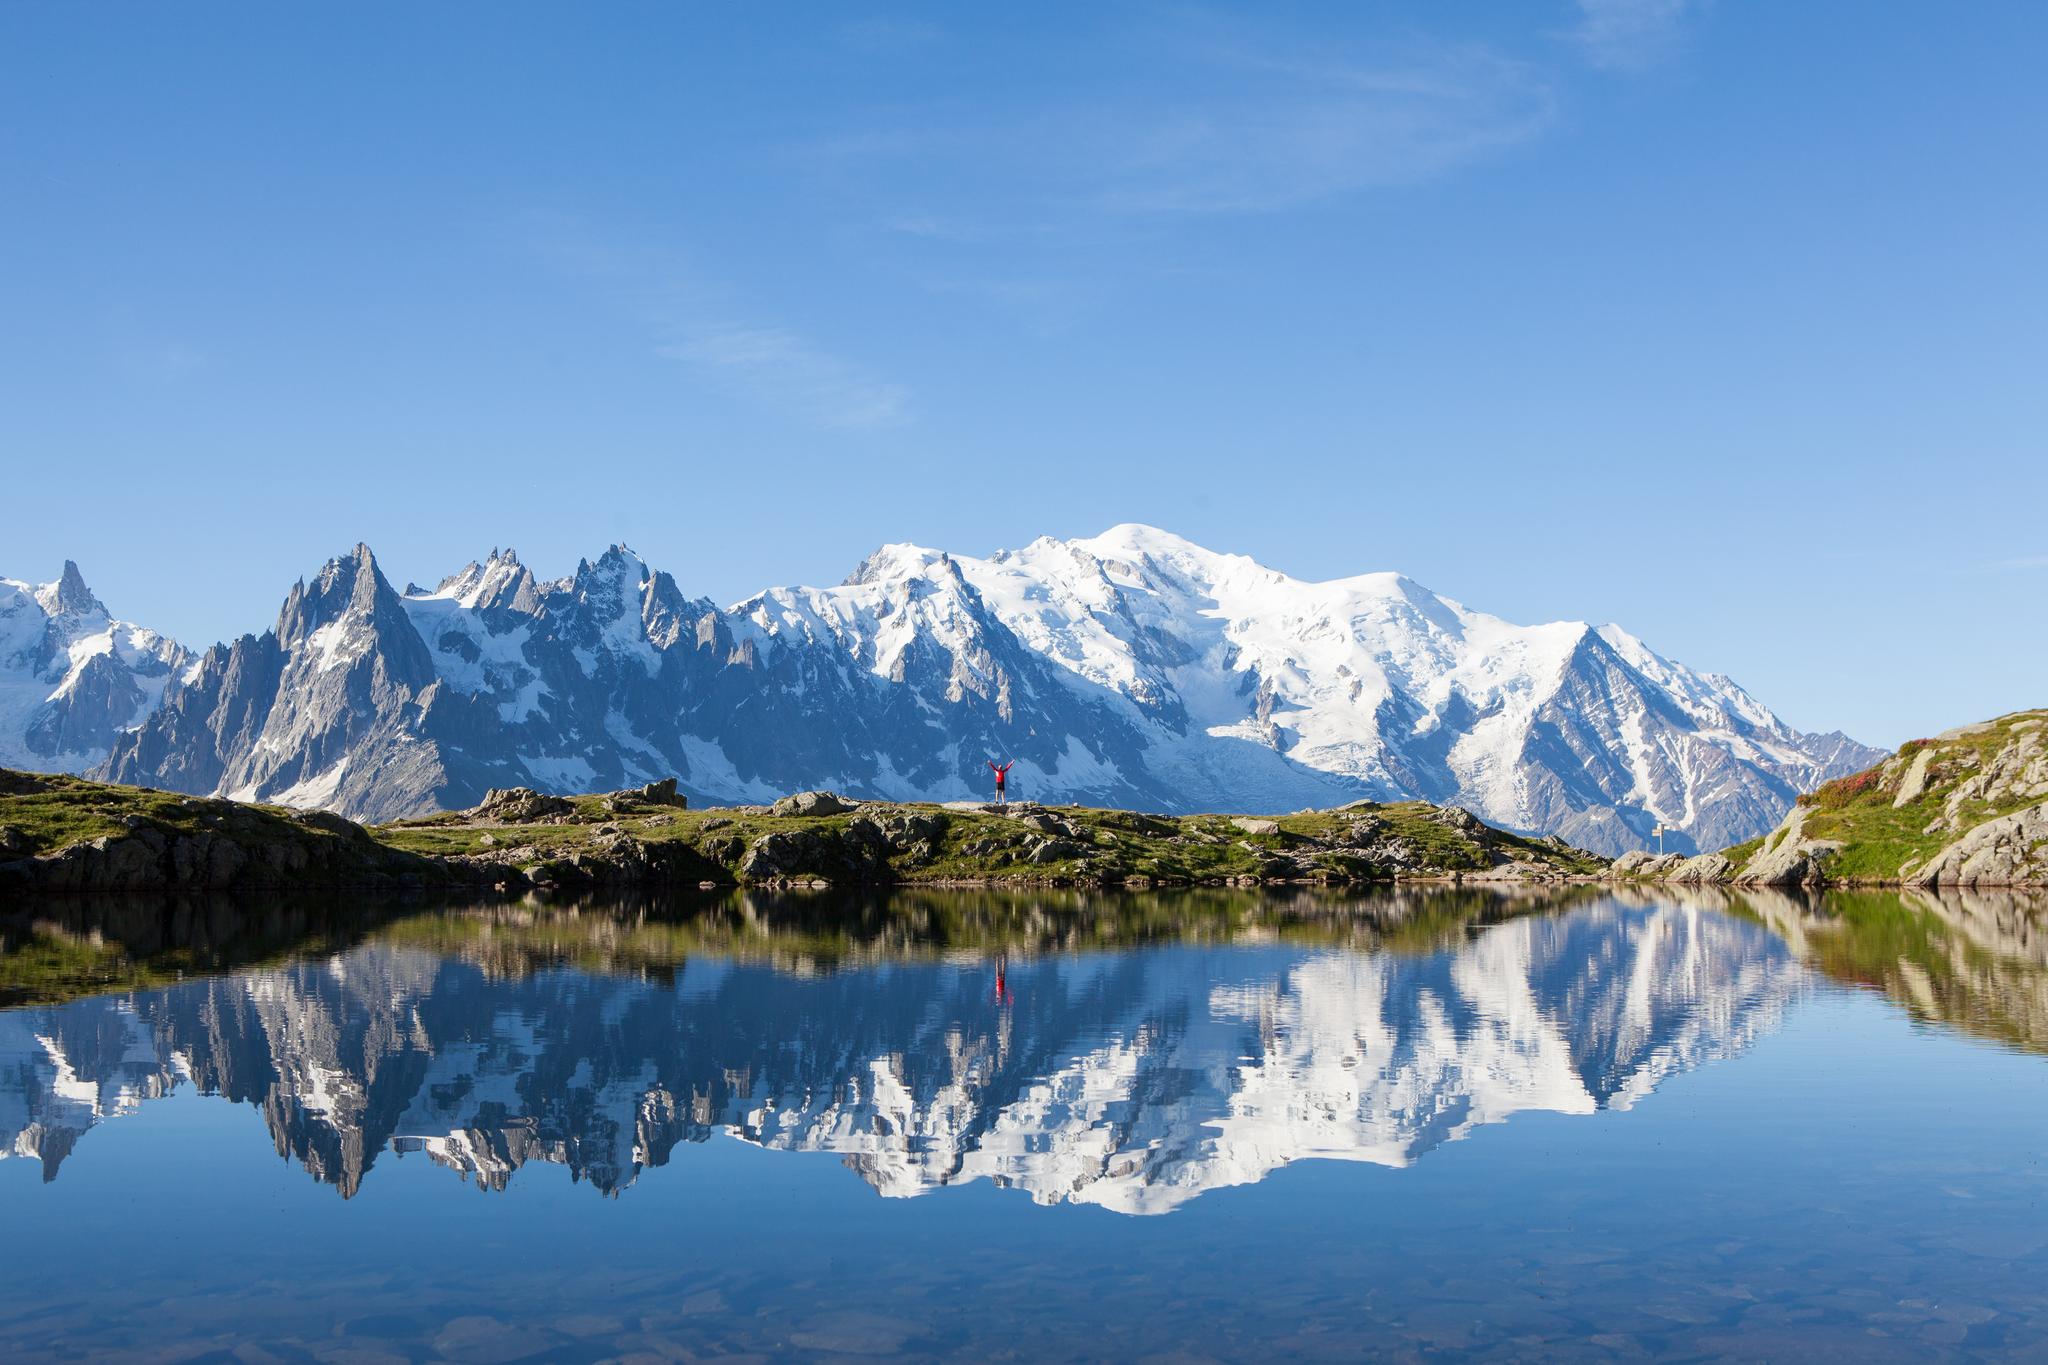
{"x": 72, "y": 596}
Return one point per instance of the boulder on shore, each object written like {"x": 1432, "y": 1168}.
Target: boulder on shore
{"x": 662, "y": 793}
{"x": 2009, "y": 851}
{"x": 815, "y": 803}
{"x": 518, "y": 806}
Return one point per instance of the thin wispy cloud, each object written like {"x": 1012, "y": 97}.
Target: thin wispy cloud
{"x": 1247, "y": 129}
{"x": 1630, "y": 35}
{"x": 778, "y": 368}
{"x": 689, "y": 319}
{"x": 2018, "y": 564}
{"x": 1296, "y": 132}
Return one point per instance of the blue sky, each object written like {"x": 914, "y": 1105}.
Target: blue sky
{"x": 1720, "y": 320}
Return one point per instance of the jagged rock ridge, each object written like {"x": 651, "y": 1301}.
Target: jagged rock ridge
{"x": 1132, "y": 669}
{"x": 71, "y": 676}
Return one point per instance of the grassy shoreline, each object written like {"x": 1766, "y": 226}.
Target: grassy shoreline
{"x": 69, "y": 834}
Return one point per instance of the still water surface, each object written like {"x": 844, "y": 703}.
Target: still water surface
{"x": 1416, "y": 1125}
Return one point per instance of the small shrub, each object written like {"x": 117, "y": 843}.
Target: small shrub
{"x": 1840, "y": 792}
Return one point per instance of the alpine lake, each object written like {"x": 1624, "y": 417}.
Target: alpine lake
{"x": 1585, "y": 1123}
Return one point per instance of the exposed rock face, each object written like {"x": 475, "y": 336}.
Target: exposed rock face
{"x": 1133, "y": 669}
{"x": 237, "y": 849}
{"x": 662, "y": 793}
{"x": 518, "y": 806}
{"x": 1982, "y": 791}
{"x": 1643, "y": 864}
{"x": 326, "y": 709}
{"x": 2009, "y": 851}
{"x": 1787, "y": 858}
{"x": 2008, "y": 772}
{"x": 71, "y": 676}
{"x": 1701, "y": 870}
{"x": 858, "y": 857}
{"x": 814, "y": 803}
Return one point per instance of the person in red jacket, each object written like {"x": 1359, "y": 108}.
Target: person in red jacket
{"x": 1002, "y": 773}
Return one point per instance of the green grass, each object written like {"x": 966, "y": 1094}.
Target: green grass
{"x": 1109, "y": 846}
{"x": 1878, "y": 840}
{"x": 974, "y": 846}
{"x": 55, "y": 812}
{"x": 1744, "y": 851}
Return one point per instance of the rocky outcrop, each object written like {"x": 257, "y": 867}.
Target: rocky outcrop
{"x": 2009, "y": 851}
{"x": 1971, "y": 801}
{"x": 518, "y": 806}
{"x": 66, "y": 834}
{"x": 1702, "y": 870}
{"x": 1787, "y": 858}
{"x": 232, "y": 848}
{"x": 1644, "y": 864}
{"x": 814, "y": 803}
{"x": 853, "y": 857}
{"x": 1997, "y": 765}
{"x": 1698, "y": 870}
{"x": 662, "y": 794}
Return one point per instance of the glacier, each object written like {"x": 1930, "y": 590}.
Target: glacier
{"x": 1133, "y": 668}
{"x": 72, "y": 677}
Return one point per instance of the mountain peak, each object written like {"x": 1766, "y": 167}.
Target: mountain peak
{"x": 500, "y": 581}
{"x": 70, "y": 596}
{"x": 1132, "y": 668}
{"x": 1134, "y": 538}
{"x": 889, "y": 562}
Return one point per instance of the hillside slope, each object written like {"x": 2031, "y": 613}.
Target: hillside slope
{"x": 66, "y": 834}
{"x": 1966, "y": 808}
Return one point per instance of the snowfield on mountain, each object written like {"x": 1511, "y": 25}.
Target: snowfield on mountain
{"x": 71, "y": 676}
{"x": 1131, "y": 669}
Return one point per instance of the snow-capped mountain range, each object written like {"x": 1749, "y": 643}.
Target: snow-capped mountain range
{"x": 1132, "y": 669}
{"x": 1135, "y": 1080}
{"x": 71, "y": 676}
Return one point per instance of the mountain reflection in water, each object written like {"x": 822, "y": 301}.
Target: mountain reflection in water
{"x": 1128, "y": 1052}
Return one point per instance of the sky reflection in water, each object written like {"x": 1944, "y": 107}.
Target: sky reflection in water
{"x": 1281, "y": 1085}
